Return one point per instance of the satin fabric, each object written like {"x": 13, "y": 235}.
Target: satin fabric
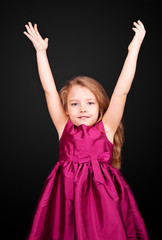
{"x": 84, "y": 197}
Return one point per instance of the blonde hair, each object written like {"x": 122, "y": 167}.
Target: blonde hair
{"x": 103, "y": 101}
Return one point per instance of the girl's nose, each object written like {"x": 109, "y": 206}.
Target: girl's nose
{"x": 82, "y": 108}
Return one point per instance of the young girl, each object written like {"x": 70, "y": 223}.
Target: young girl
{"x": 85, "y": 197}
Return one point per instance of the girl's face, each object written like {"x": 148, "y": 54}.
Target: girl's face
{"x": 82, "y": 106}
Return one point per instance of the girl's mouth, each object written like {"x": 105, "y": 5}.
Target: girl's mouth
{"x": 83, "y": 117}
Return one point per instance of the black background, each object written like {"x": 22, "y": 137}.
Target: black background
{"x": 88, "y": 39}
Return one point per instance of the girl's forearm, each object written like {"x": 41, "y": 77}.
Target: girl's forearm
{"x": 45, "y": 72}
{"x": 127, "y": 74}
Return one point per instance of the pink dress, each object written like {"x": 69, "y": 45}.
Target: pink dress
{"x": 84, "y": 197}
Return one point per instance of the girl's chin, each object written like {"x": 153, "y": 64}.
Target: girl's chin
{"x": 85, "y": 121}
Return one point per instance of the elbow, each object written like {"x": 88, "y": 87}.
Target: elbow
{"x": 125, "y": 93}
{"x": 121, "y": 93}
{"x": 50, "y": 90}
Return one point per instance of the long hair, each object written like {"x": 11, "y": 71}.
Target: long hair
{"x": 102, "y": 98}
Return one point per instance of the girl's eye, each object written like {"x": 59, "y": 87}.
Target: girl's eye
{"x": 90, "y": 103}
{"x": 74, "y": 104}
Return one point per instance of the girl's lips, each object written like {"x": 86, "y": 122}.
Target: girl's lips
{"x": 83, "y": 117}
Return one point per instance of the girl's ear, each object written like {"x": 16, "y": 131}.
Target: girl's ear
{"x": 66, "y": 111}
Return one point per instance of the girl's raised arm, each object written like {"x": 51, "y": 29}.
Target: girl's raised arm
{"x": 115, "y": 110}
{"x": 55, "y": 107}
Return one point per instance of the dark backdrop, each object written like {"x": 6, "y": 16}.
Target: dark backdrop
{"x": 83, "y": 39}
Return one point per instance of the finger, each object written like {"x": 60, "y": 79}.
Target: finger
{"x": 36, "y": 29}
{"x": 28, "y": 35}
{"x": 31, "y": 28}
{"x": 141, "y": 24}
{"x": 46, "y": 40}
{"x": 137, "y": 25}
{"x": 135, "y": 30}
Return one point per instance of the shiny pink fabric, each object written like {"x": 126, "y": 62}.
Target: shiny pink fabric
{"x": 84, "y": 197}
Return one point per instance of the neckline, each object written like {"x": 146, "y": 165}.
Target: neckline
{"x": 85, "y": 126}
{"x": 82, "y": 125}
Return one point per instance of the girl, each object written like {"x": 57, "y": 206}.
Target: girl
{"x": 85, "y": 197}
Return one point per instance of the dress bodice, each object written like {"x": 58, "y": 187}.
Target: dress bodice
{"x": 82, "y": 141}
{"x": 86, "y": 144}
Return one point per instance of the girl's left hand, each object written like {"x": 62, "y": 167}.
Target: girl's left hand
{"x": 138, "y": 37}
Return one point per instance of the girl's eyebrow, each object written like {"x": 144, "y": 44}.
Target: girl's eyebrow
{"x": 73, "y": 100}
{"x": 90, "y": 99}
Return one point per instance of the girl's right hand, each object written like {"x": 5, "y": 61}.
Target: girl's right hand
{"x": 32, "y": 33}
